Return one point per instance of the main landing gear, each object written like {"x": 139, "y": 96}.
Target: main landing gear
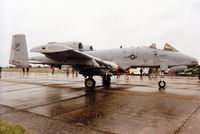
{"x": 90, "y": 82}
{"x": 106, "y": 81}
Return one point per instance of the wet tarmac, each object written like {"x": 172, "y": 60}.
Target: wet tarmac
{"x": 57, "y": 104}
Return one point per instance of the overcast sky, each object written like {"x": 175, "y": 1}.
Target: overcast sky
{"x": 105, "y": 24}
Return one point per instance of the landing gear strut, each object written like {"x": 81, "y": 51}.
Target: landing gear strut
{"x": 106, "y": 80}
{"x": 90, "y": 83}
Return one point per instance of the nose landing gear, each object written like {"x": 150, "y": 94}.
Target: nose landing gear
{"x": 161, "y": 84}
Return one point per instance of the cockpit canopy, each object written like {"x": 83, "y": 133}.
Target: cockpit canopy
{"x": 167, "y": 47}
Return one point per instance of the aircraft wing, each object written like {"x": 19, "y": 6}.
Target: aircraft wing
{"x": 65, "y": 54}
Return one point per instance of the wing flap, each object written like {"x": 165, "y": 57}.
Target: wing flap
{"x": 68, "y": 55}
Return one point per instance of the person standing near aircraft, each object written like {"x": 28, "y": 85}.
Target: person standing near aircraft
{"x": 0, "y": 71}
{"x": 27, "y": 70}
{"x": 118, "y": 75}
{"x": 53, "y": 69}
{"x": 150, "y": 72}
{"x": 73, "y": 72}
{"x": 67, "y": 71}
{"x": 127, "y": 74}
{"x": 154, "y": 72}
{"x": 141, "y": 71}
{"x": 23, "y": 70}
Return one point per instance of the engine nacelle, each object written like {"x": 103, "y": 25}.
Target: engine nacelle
{"x": 58, "y": 47}
{"x": 177, "y": 69}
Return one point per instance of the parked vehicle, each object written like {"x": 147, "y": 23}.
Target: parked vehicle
{"x": 136, "y": 71}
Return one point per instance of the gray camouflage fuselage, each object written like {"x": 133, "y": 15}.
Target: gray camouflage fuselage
{"x": 131, "y": 57}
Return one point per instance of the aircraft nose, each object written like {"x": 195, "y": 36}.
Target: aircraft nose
{"x": 194, "y": 61}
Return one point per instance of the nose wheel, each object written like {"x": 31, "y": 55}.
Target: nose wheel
{"x": 161, "y": 84}
{"x": 90, "y": 83}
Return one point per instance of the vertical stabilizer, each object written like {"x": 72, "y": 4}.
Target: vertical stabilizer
{"x": 19, "y": 53}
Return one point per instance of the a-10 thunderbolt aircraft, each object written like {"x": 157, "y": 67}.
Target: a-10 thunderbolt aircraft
{"x": 91, "y": 62}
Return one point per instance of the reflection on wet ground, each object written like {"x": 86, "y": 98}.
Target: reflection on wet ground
{"x": 58, "y": 104}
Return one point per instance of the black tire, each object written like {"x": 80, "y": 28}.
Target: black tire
{"x": 90, "y": 83}
{"x": 161, "y": 84}
{"x": 106, "y": 83}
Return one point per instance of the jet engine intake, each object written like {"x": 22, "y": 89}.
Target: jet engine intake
{"x": 79, "y": 46}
